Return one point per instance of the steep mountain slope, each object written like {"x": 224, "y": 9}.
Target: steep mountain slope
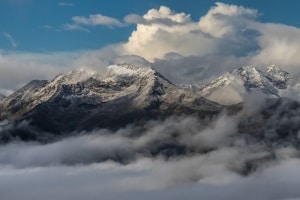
{"x": 2, "y": 96}
{"x": 21, "y": 99}
{"x": 83, "y": 99}
{"x": 233, "y": 87}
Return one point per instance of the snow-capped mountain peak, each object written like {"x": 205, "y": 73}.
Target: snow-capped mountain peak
{"x": 250, "y": 74}
{"x": 276, "y": 71}
{"x": 232, "y": 87}
{"x": 275, "y": 74}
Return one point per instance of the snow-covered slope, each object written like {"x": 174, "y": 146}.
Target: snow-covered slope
{"x": 83, "y": 99}
{"x": 233, "y": 87}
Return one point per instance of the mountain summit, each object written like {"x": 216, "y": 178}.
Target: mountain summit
{"x": 233, "y": 87}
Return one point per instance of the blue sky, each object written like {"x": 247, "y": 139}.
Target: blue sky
{"x": 38, "y": 25}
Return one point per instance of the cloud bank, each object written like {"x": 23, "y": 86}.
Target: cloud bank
{"x": 220, "y": 162}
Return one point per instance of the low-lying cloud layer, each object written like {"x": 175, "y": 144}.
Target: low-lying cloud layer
{"x": 179, "y": 157}
{"x": 221, "y": 160}
{"x": 148, "y": 179}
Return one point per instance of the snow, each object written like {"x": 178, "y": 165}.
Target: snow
{"x": 119, "y": 81}
{"x": 143, "y": 86}
{"x": 232, "y": 87}
{"x": 277, "y": 74}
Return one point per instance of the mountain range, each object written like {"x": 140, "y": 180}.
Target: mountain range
{"x": 83, "y": 99}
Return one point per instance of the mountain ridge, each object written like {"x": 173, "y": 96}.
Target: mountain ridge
{"x": 81, "y": 100}
{"x": 232, "y": 87}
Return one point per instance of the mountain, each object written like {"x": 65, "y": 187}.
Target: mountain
{"x": 83, "y": 100}
{"x": 2, "y": 96}
{"x": 233, "y": 87}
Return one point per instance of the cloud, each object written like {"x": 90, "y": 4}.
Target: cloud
{"x": 82, "y": 166}
{"x": 80, "y": 22}
{"x": 10, "y": 39}
{"x": 134, "y": 19}
{"x": 72, "y": 27}
{"x": 97, "y": 19}
{"x": 223, "y": 19}
{"x": 66, "y": 4}
{"x": 163, "y": 31}
{"x": 19, "y": 68}
{"x": 226, "y": 37}
{"x": 121, "y": 146}
{"x": 162, "y": 16}
{"x": 196, "y": 69}
{"x": 220, "y": 161}
{"x": 278, "y": 45}
{"x": 6, "y": 92}
{"x": 107, "y": 180}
